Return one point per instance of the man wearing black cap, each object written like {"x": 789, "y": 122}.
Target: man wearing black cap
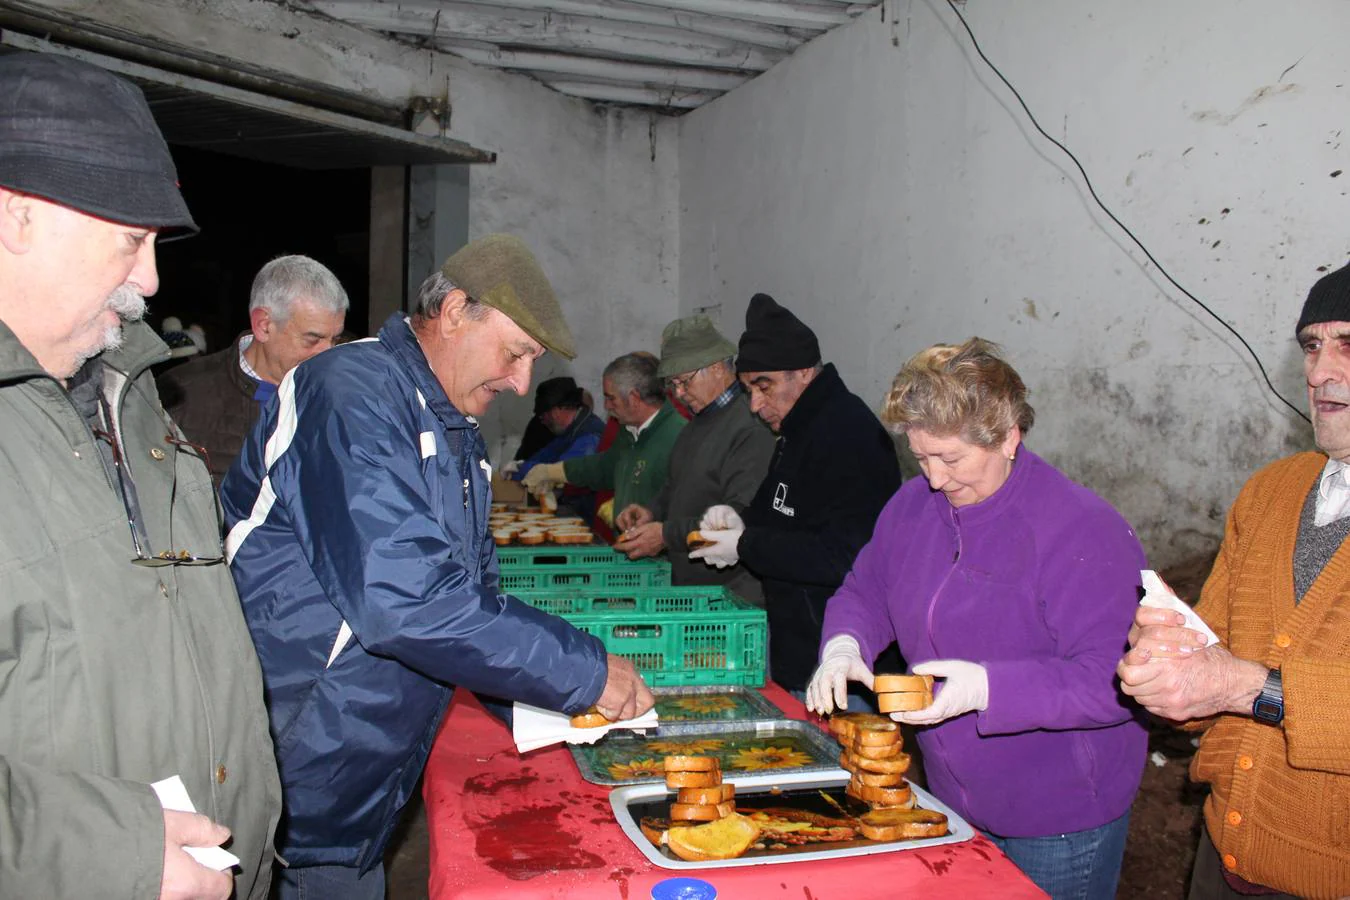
{"x": 357, "y": 519}
{"x": 560, "y": 406}
{"x": 124, "y": 659}
{"x": 833, "y": 470}
{"x": 1272, "y": 695}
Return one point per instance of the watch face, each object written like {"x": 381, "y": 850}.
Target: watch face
{"x": 1268, "y": 710}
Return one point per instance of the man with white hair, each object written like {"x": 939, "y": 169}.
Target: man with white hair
{"x": 296, "y": 310}
{"x": 124, "y": 659}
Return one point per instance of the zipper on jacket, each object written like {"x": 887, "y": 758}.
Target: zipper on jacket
{"x": 466, "y": 493}
{"x": 956, "y": 557}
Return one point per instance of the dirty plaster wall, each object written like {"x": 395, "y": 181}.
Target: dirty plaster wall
{"x": 591, "y": 190}
{"x": 884, "y": 185}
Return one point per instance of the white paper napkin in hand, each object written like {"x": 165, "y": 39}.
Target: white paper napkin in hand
{"x": 173, "y": 796}
{"x": 533, "y": 727}
{"x": 1158, "y": 595}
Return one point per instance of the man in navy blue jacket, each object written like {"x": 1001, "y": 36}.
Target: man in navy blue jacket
{"x": 358, "y": 539}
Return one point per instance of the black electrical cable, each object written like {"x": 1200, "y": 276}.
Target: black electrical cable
{"x": 1138, "y": 243}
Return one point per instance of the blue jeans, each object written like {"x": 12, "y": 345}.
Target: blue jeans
{"x": 1081, "y": 865}
{"x": 328, "y": 883}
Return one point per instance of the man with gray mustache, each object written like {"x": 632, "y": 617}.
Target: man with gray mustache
{"x": 1273, "y": 695}
{"x": 124, "y": 658}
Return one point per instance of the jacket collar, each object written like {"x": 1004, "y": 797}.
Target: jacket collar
{"x": 824, "y": 389}
{"x": 662, "y": 414}
{"x": 398, "y": 336}
{"x": 140, "y": 349}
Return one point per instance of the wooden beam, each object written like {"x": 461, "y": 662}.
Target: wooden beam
{"x": 584, "y": 68}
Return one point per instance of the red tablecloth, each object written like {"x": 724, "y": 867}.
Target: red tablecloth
{"x": 506, "y": 826}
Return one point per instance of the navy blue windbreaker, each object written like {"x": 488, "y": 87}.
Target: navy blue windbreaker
{"x": 358, "y": 539}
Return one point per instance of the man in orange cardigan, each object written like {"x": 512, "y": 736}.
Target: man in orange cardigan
{"x": 1273, "y": 696}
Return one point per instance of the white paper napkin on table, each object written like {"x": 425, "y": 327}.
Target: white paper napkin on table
{"x": 173, "y": 796}
{"x": 533, "y": 727}
{"x": 1158, "y": 595}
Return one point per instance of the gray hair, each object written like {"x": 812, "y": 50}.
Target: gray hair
{"x": 431, "y": 297}
{"x": 286, "y": 279}
{"x": 636, "y": 372}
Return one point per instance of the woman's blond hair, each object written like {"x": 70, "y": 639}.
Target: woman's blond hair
{"x": 966, "y": 390}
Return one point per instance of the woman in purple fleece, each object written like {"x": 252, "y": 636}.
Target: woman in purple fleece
{"x": 1015, "y": 587}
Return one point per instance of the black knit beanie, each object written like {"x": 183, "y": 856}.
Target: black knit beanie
{"x": 775, "y": 340}
{"x": 556, "y": 392}
{"x": 1328, "y": 301}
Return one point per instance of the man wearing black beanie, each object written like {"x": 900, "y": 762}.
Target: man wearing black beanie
{"x": 833, "y": 470}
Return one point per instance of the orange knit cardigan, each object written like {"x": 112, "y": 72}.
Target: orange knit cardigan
{"x": 1279, "y": 809}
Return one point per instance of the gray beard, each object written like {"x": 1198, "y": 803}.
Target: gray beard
{"x": 129, "y": 305}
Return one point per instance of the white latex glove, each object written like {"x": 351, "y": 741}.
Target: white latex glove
{"x": 964, "y": 688}
{"x": 840, "y": 662}
{"x": 543, "y": 476}
{"x": 510, "y": 468}
{"x": 721, "y": 550}
{"x": 721, "y": 518}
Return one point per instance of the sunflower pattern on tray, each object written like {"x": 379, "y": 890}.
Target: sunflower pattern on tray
{"x": 708, "y": 706}
{"x": 644, "y": 761}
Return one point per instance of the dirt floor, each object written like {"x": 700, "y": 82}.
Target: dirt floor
{"x": 1164, "y": 823}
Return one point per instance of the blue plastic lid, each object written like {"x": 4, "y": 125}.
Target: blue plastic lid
{"x": 683, "y": 889}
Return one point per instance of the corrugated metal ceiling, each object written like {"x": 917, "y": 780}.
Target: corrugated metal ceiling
{"x": 674, "y": 54}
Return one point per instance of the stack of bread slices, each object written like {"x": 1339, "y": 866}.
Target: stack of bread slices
{"x": 874, "y": 756}
{"x": 903, "y": 693}
{"x": 704, "y": 824}
{"x": 522, "y": 526}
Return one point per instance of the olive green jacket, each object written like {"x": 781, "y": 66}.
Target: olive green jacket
{"x": 112, "y": 675}
{"x": 634, "y": 470}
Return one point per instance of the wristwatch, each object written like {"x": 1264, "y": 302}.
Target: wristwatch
{"x": 1269, "y": 704}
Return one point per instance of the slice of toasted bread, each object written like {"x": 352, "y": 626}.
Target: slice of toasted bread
{"x": 727, "y": 838}
{"x": 900, "y": 795}
{"x": 654, "y": 829}
{"x": 694, "y": 812}
{"x": 676, "y": 780}
{"x": 898, "y": 764}
{"x": 691, "y": 764}
{"x": 904, "y": 702}
{"x": 893, "y": 824}
{"x": 905, "y": 684}
{"x": 709, "y": 795}
{"x": 879, "y": 779}
{"x": 591, "y": 718}
{"x": 866, "y": 738}
{"x": 883, "y": 751}
{"x": 845, "y": 724}
{"x": 695, "y": 540}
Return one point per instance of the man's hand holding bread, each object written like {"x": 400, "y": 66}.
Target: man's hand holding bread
{"x": 721, "y": 527}
{"x": 625, "y": 695}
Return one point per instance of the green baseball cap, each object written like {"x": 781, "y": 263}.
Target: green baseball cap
{"x": 499, "y": 270}
{"x": 691, "y": 343}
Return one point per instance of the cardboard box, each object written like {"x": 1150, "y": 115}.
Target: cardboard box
{"x": 505, "y": 491}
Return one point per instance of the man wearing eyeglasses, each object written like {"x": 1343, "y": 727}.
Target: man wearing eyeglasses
{"x": 357, "y": 519}
{"x": 124, "y": 659}
{"x": 720, "y": 457}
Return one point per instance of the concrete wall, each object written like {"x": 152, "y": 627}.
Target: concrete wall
{"x": 884, "y": 185}
{"x": 591, "y": 190}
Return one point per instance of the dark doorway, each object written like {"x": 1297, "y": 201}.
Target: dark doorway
{"x": 250, "y": 212}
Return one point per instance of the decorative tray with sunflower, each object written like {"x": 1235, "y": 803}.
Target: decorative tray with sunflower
{"x": 714, "y": 703}
{"x": 772, "y": 745}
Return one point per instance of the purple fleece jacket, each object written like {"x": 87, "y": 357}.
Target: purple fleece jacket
{"x": 1038, "y": 584}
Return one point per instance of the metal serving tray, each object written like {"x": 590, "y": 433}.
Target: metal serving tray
{"x": 782, "y": 745}
{"x": 713, "y": 703}
{"x": 633, "y": 802}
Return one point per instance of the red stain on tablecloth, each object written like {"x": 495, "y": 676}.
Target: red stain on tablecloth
{"x": 621, "y": 875}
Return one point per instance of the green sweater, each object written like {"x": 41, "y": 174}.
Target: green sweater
{"x": 635, "y": 470}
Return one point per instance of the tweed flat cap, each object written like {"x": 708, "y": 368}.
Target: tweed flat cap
{"x": 691, "y": 343}
{"x": 500, "y": 270}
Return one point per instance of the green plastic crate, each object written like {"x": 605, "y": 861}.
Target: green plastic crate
{"x": 518, "y": 556}
{"x": 673, "y": 635}
{"x": 583, "y": 578}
